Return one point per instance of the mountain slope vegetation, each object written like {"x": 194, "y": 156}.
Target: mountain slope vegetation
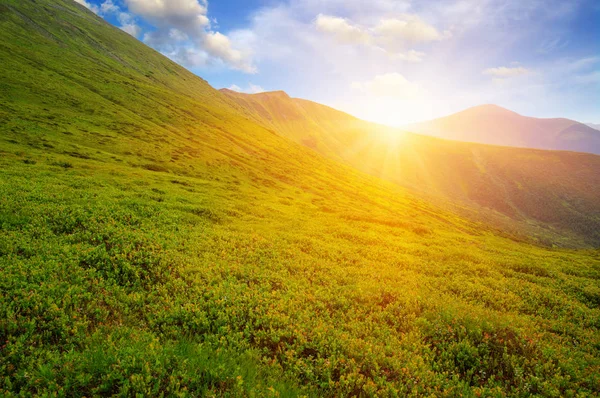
{"x": 491, "y": 124}
{"x": 526, "y": 191}
{"x": 154, "y": 239}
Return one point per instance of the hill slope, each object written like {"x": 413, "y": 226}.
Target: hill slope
{"x": 154, "y": 240}
{"x": 491, "y": 124}
{"x": 319, "y": 127}
{"x": 527, "y": 190}
{"x": 594, "y": 126}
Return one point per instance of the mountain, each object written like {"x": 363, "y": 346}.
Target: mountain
{"x": 158, "y": 239}
{"x": 491, "y": 124}
{"x": 499, "y": 185}
{"x": 594, "y": 126}
{"x": 321, "y": 128}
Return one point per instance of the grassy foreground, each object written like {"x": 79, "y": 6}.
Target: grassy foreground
{"x": 153, "y": 240}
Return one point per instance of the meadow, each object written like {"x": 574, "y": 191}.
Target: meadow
{"x": 122, "y": 280}
{"x": 155, "y": 240}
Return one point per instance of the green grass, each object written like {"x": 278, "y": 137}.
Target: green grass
{"x": 154, "y": 240}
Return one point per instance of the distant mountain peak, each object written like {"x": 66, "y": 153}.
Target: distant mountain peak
{"x": 493, "y": 124}
{"x": 489, "y": 108}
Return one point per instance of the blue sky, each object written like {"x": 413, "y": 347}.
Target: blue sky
{"x": 390, "y": 61}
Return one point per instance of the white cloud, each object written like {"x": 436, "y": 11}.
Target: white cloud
{"x": 506, "y": 72}
{"x": 408, "y": 28}
{"x": 126, "y": 20}
{"x": 165, "y": 40}
{"x": 342, "y": 30}
{"x": 189, "y": 56}
{"x": 220, "y": 46}
{"x": 91, "y": 7}
{"x": 391, "y": 35}
{"x": 133, "y": 29}
{"x": 184, "y": 33}
{"x": 250, "y": 89}
{"x": 109, "y": 7}
{"x": 187, "y": 15}
{"x": 255, "y": 89}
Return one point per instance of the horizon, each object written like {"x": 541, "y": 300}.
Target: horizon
{"x": 406, "y": 125}
{"x": 393, "y": 63}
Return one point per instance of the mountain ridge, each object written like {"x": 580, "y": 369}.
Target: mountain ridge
{"x": 595, "y": 126}
{"x": 492, "y": 124}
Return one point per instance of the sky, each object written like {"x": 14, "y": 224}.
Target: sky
{"x": 390, "y": 61}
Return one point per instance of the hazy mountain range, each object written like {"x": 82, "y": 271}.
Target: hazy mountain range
{"x": 594, "y": 126}
{"x": 491, "y": 124}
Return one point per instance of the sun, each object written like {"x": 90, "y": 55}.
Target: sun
{"x": 392, "y": 111}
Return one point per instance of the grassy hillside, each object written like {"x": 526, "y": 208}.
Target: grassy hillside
{"x": 526, "y": 191}
{"x": 491, "y": 124}
{"x": 316, "y": 126}
{"x": 155, "y": 240}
